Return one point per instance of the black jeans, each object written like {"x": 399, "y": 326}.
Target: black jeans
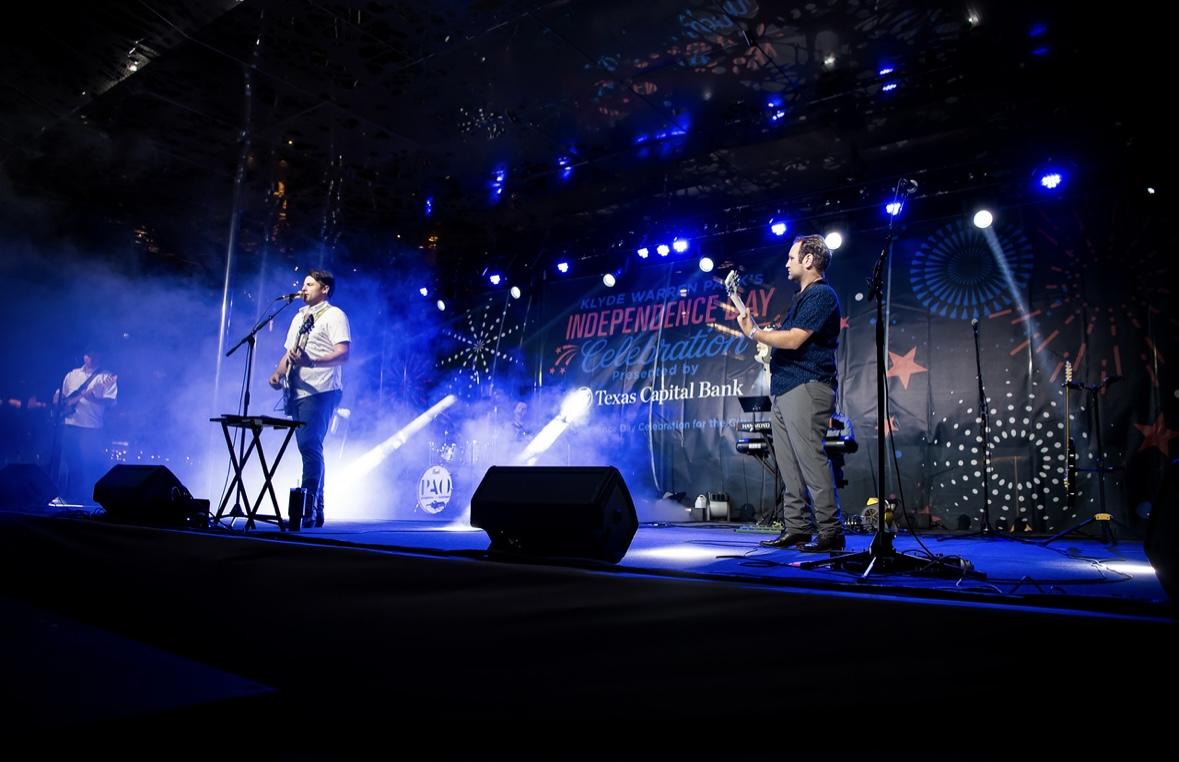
{"x": 315, "y": 411}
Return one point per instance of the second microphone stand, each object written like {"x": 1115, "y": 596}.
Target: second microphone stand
{"x": 250, "y": 340}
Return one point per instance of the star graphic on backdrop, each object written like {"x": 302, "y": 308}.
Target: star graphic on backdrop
{"x": 1156, "y": 435}
{"x": 844, "y": 322}
{"x": 890, "y": 426}
{"x": 903, "y": 366}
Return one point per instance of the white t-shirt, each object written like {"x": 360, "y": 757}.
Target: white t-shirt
{"x": 88, "y": 413}
{"x": 330, "y": 328}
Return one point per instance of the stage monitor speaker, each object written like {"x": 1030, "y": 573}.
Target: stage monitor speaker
{"x": 25, "y": 487}
{"x": 1161, "y": 541}
{"x": 556, "y": 511}
{"x": 150, "y": 495}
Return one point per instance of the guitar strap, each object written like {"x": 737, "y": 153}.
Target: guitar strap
{"x": 81, "y": 389}
{"x": 314, "y": 315}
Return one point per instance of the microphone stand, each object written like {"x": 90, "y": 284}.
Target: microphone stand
{"x": 881, "y": 555}
{"x": 985, "y": 530}
{"x": 250, "y": 340}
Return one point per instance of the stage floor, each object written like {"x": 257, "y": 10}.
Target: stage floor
{"x": 407, "y": 639}
{"x": 1073, "y": 573}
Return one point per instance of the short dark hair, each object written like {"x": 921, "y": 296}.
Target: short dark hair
{"x": 816, "y": 247}
{"x": 326, "y": 278}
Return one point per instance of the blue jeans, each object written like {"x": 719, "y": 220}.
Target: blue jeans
{"x": 315, "y": 411}
{"x": 82, "y": 457}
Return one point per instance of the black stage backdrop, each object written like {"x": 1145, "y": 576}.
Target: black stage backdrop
{"x": 666, "y": 366}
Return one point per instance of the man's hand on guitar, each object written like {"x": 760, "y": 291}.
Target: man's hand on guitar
{"x": 298, "y": 358}
{"x": 275, "y": 380}
{"x": 745, "y": 320}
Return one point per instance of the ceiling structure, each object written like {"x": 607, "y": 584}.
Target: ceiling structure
{"x": 504, "y": 134}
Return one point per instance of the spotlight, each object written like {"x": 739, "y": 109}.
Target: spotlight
{"x": 562, "y": 267}
{"x": 495, "y": 278}
{"x": 515, "y": 292}
{"x": 576, "y": 404}
{"x": 644, "y": 252}
{"x": 574, "y": 408}
{"x": 706, "y": 264}
{"x": 429, "y": 205}
{"x": 1151, "y": 191}
{"x": 375, "y": 456}
{"x": 680, "y": 245}
{"x": 424, "y": 291}
{"x": 609, "y": 280}
{"x": 441, "y": 305}
{"x": 893, "y": 208}
{"x": 886, "y": 70}
{"x": 663, "y": 249}
{"x": 1051, "y": 180}
{"x": 983, "y": 219}
{"x": 889, "y": 87}
{"x": 778, "y": 228}
{"x": 833, "y": 240}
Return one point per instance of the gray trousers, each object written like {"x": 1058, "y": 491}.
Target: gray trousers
{"x": 799, "y": 420}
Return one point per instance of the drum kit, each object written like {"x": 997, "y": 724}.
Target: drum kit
{"x": 450, "y": 453}
{"x": 448, "y": 480}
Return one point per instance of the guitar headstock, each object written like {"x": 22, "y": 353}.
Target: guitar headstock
{"x": 732, "y": 282}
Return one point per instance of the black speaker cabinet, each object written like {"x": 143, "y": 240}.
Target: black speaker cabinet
{"x": 145, "y": 495}
{"x": 25, "y": 487}
{"x": 1161, "y": 541}
{"x": 556, "y": 511}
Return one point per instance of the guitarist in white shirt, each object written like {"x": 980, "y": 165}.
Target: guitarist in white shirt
{"x": 82, "y": 400}
{"x": 311, "y": 370}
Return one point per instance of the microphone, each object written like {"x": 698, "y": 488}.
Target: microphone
{"x": 1111, "y": 380}
{"x": 910, "y": 186}
{"x": 974, "y": 326}
{"x": 291, "y": 297}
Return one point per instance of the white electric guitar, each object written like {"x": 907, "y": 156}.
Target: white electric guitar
{"x": 732, "y": 286}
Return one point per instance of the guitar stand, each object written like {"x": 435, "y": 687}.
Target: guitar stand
{"x": 1102, "y": 517}
{"x": 255, "y": 425}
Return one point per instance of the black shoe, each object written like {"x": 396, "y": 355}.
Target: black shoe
{"x": 786, "y": 540}
{"x": 831, "y": 542}
{"x": 309, "y": 519}
{"x": 319, "y": 516}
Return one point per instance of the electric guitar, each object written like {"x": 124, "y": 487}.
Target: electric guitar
{"x": 1070, "y": 447}
{"x": 288, "y": 379}
{"x": 732, "y": 286}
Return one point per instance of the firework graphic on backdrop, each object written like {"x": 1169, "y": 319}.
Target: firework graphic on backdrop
{"x": 480, "y": 340}
{"x": 1027, "y": 456}
{"x": 1111, "y": 305}
{"x": 409, "y": 374}
{"x": 954, "y": 272}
